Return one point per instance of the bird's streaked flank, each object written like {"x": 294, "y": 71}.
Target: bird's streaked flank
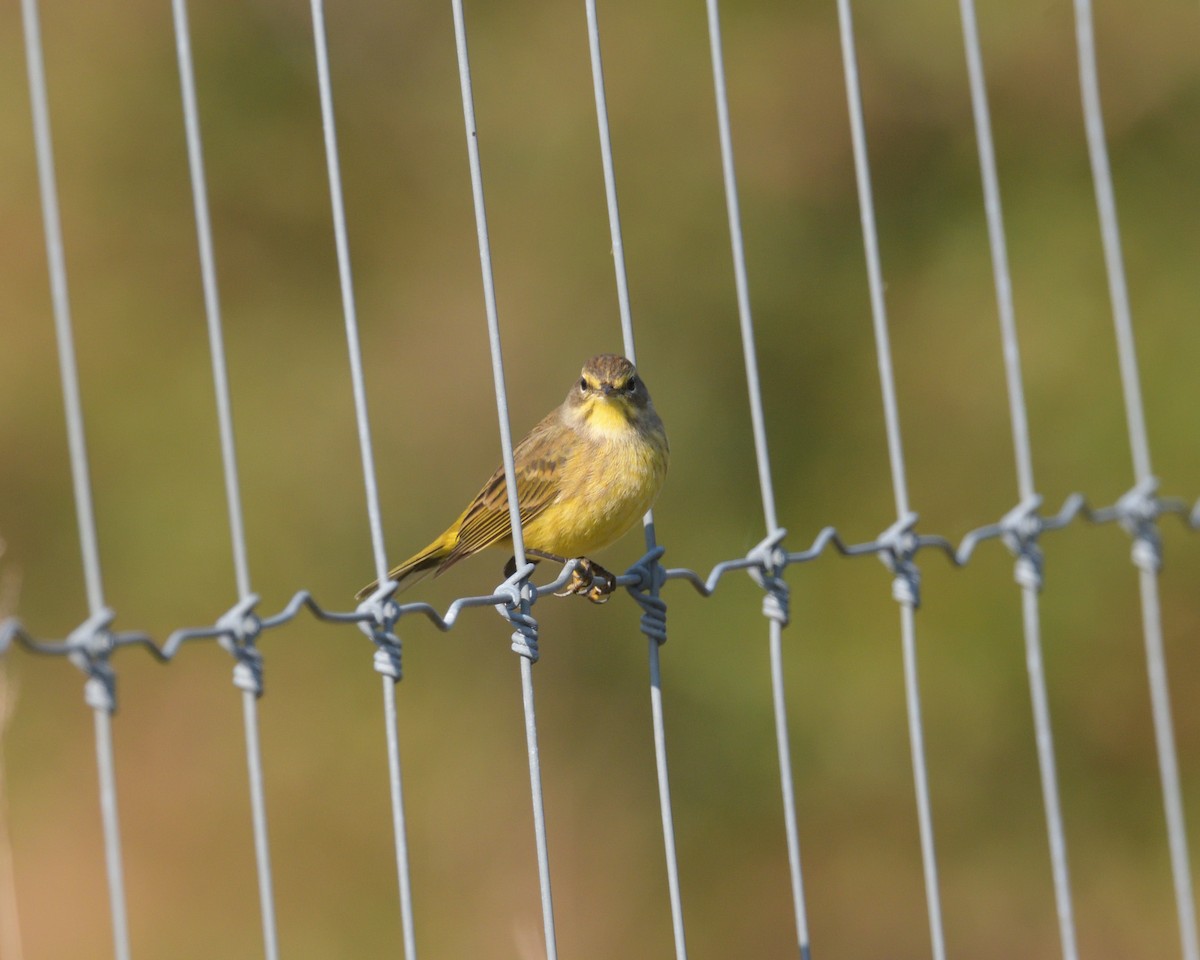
{"x": 585, "y": 474}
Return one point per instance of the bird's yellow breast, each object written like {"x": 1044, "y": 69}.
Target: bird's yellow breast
{"x": 612, "y": 480}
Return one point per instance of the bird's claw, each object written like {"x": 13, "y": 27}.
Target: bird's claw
{"x": 591, "y": 580}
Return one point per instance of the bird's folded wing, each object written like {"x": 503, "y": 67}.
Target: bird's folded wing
{"x": 487, "y": 520}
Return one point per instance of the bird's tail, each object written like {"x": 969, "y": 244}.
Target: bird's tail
{"x": 414, "y": 569}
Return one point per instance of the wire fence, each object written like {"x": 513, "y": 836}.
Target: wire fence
{"x": 901, "y": 547}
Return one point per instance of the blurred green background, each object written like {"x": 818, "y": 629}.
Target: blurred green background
{"x": 134, "y": 279}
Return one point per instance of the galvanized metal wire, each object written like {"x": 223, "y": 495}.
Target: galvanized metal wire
{"x": 113, "y": 867}
{"x": 654, "y": 620}
{"x": 898, "y": 556}
{"x": 519, "y": 600}
{"x": 240, "y": 630}
{"x": 1025, "y": 518}
{"x": 775, "y": 605}
{"x": 388, "y": 645}
{"x": 1146, "y": 549}
{"x": 61, "y": 303}
{"x": 1022, "y": 543}
{"x": 247, "y": 677}
{"x": 212, "y": 301}
{"x": 92, "y": 637}
{"x": 1075, "y": 510}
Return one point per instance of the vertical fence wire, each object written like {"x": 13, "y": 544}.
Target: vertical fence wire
{"x": 741, "y": 283}
{"x": 212, "y": 307}
{"x": 1131, "y": 389}
{"x": 1030, "y": 583}
{"x": 77, "y": 447}
{"x": 374, "y": 515}
{"x": 866, "y": 204}
{"x": 258, "y": 811}
{"x": 908, "y": 631}
{"x": 112, "y": 845}
{"x": 1064, "y": 907}
{"x": 653, "y": 653}
{"x": 1147, "y": 560}
{"x": 1002, "y": 277}
{"x": 539, "y": 807}
{"x": 896, "y": 457}
{"x": 762, "y": 457}
{"x": 56, "y": 258}
{"x": 1167, "y": 763}
{"x": 1110, "y": 235}
{"x": 489, "y": 283}
{"x": 346, "y": 281}
{"x": 212, "y": 303}
{"x": 610, "y": 180}
{"x": 399, "y": 829}
{"x": 787, "y": 787}
{"x": 506, "y": 447}
{"x": 664, "y": 794}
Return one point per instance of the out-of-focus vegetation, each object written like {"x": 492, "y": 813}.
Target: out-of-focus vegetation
{"x": 131, "y": 252}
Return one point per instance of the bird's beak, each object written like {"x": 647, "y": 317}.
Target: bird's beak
{"x": 608, "y": 389}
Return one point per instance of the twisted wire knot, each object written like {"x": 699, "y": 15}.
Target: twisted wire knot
{"x": 1146, "y": 552}
{"x": 1028, "y": 568}
{"x": 92, "y": 642}
{"x": 1021, "y": 527}
{"x": 1138, "y": 512}
{"x": 100, "y": 689}
{"x": 650, "y": 578}
{"x": 382, "y": 612}
{"x": 654, "y": 616}
{"x": 387, "y": 661}
{"x": 248, "y": 671}
{"x": 771, "y": 559}
{"x": 525, "y": 634}
{"x": 899, "y": 546}
{"x": 241, "y": 627}
{"x": 906, "y": 584}
{"x": 776, "y": 603}
{"x": 520, "y": 596}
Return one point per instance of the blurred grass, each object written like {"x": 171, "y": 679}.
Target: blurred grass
{"x": 130, "y": 249}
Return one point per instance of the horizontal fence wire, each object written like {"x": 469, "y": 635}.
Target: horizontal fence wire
{"x": 1024, "y": 521}
{"x": 899, "y": 540}
{"x": 241, "y": 628}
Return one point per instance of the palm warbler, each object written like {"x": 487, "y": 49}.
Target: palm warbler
{"x": 585, "y": 474}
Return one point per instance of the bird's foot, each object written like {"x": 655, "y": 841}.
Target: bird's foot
{"x": 590, "y": 580}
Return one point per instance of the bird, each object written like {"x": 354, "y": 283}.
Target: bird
{"x": 585, "y": 474}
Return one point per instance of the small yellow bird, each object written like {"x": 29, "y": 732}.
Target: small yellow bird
{"x": 585, "y": 474}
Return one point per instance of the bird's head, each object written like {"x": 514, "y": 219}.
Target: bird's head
{"x": 609, "y": 396}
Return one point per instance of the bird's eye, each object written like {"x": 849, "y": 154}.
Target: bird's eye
{"x": 631, "y": 384}
{"x": 583, "y": 384}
